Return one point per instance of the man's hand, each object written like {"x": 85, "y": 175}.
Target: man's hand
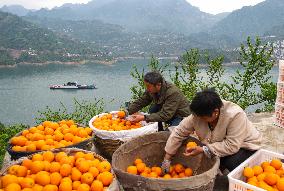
{"x": 166, "y": 164}
{"x": 135, "y": 118}
{"x": 193, "y": 151}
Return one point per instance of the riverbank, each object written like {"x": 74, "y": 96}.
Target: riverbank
{"x": 104, "y": 62}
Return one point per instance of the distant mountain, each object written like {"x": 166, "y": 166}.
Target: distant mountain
{"x": 277, "y": 31}
{"x": 16, "y": 10}
{"x": 17, "y": 33}
{"x": 138, "y": 15}
{"x": 27, "y": 42}
{"x": 83, "y": 30}
{"x": 251, "y": 20}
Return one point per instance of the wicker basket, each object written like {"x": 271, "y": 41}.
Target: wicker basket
{"x": 150, "y": 148}
{"x": 86, "y": 145}
{"x": 106, "y": 147}
{"x": 114, "y": 186}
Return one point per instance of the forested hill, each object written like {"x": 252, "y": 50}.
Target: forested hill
{"x": 23, "y": 41}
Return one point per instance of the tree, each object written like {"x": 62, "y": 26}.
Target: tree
{"x": 249, "y": 85}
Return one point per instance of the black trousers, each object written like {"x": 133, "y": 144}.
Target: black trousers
{"x": 232, "y": 161}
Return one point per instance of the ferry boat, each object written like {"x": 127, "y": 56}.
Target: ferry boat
{"x": 73, "y": 85}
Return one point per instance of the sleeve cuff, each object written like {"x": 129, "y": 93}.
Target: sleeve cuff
{"x": 207, "y": 152}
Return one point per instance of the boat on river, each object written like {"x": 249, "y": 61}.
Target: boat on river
{"x": 73, "y": 85}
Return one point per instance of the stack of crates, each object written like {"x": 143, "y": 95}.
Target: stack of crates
{"x": 279, "y": 104}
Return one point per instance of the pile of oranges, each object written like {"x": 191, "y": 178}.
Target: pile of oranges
{"x": 114, "y": 122}
{"x": 268, "y": 176}
{"x": 50, "y": 135}
{"x": 58, "y": 172}
{"x": 176, "y": 171}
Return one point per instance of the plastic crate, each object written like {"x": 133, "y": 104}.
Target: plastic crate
{"x": 236, "y": 178}
{"x": 279, "y": 115}
{"x": 280, "y": 93}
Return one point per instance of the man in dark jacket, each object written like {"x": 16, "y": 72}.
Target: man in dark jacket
{"x": 169, "y": 105}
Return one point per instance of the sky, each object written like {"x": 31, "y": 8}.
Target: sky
{"x": 208, "y": 6}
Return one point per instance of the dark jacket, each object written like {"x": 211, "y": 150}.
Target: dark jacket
{"x": 173, "y": 104}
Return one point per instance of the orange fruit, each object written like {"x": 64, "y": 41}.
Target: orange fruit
{"x": 25, "y": 132}
{"x": 37, "y": 166}
{"x": 132, "y": 170}
{"x": 48, "y": 156}
{"x": 42, "y": 178}
{"x": 21, "y": 171}
{"x": 153, "y": 175}
{"x": 248, "y": 172}
{"x": 54, "y": 126}
{"x": 138, "y": 160}
{"x": 79, "y": 155}
{"x": 167, "y": 176}
{"x": 37, "y": 157}
{"x": 75, "y": 184}
{"x": 27, "y": 183}
{"x": 104, "y": 166}
{"x": 271, "y": 179}
{"x": 188, "y": 172}
{"x": 83, "y": 166}
{"x": 276, "y": 163}
{"x": 55, "y": 178}
{"x": 65, "y": 186}
{"x": 121, "y": 114}
{"x": 48, "y": 131}
{"x": 106, "y": 178}
{"x": 158, "y": 170}
{"x": 75, "y": 174}
{"x": 257, "y": 170}
{"x": 66, "y": 179}
{"x": 141, "y": 167}
{"x": 264, "y": 164}
{"x": 280, "y": 184}
{"x": 65, "y": 170}
{"x": 280, "y": 172}
{"x": 31, "y": 147}
{"x": 59, "y": 156}
{"x": 265, "y": 186}
{"x": 50, "y": 188}
{"x": 58, "y": 136}
{"x": 94, "y": 171}
{"x": 66, "y": 160}
{"x": 13, "y": 169}
{"x": 27, "y": 163}
{"x": 269, "y": 169}
{"x": 95, "y": 163}
{"x": 147, "y": 170}
{"x": 13, "y": 187}
{"x": 97, "y": 186}
{"x": 252, "y": 179}
{"x": 82, "y": 133}
{"x": 179, "y": 168}
{"x": 39, "y": 144}
{"x": 261, "y": 176}
{"x": 89, "y": 156}
{"x": 70, "y": 122}
{"x": 191, "y": 144}
{"x": 83, "y": 187}
{"x": 68, "y": 137}
{"x": 54, "y": 167}
{"x": 145, "y": 174}
{"x": 87, "y": 178}
{"x": 37, "y": 187}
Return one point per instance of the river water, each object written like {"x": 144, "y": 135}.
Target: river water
{"x": 24, "y": 90}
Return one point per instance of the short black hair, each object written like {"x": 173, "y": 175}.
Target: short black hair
{"x": 205, "y": 102}
{"x": 153, "y": 77}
